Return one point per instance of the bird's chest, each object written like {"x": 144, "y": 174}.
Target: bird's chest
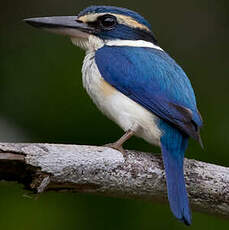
{"x": 97, "y": 88}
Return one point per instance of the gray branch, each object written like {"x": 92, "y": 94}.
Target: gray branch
{"x": 102, "y": 170}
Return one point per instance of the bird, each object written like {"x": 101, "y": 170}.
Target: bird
{"x": 137, "y": 84}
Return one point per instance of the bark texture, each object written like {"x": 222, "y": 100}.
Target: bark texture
{"x": 102, "y": 170}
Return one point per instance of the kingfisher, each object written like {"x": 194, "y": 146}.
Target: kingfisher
{"x": 136, "y": 84}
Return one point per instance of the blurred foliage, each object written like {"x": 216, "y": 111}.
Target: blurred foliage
{"x": 41, "y": 95}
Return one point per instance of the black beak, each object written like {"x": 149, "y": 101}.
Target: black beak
{"x": 66, "y": 25}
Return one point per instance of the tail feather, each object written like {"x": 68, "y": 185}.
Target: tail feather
{"x": 174, "y": 144}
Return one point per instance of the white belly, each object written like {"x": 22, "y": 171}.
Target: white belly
{"x": 118, "y": 107}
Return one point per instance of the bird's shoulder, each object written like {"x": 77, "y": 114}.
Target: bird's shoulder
{"x": 148, "y": 68}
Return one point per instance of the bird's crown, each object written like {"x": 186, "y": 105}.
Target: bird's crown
{"x": 131, "y": 17}
{"x": 117, "y": 23}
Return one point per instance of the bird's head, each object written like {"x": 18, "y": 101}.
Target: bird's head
{"x": 96, "y": 26}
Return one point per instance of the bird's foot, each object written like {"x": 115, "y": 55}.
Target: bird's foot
{"x": 116, "y": 146}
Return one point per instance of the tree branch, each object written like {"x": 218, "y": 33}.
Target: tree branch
{"x": 102, "y": 170}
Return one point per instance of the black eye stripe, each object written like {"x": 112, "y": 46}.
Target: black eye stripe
{"x": 94, "y": 24}
{"x": 111, "y": 23}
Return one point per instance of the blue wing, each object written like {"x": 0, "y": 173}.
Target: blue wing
{"x": 152, "y": 78}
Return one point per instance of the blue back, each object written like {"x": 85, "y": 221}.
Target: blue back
{"x": 153, "y": 79}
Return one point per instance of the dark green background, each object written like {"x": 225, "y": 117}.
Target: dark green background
{"x": 42, "y": 100}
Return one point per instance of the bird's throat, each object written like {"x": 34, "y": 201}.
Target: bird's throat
{"x": 91, "y": 43}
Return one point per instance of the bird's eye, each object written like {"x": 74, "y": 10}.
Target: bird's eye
{"x": 107, "y": 21}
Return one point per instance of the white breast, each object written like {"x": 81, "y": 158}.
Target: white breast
{"x": 118, "y": 107}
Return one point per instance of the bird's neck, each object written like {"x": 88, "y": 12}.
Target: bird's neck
{"x": 132, "y": 43}
{"x": 93, "y": 43}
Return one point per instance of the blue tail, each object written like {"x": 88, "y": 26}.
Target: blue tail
{"x": 173, "y": 145}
